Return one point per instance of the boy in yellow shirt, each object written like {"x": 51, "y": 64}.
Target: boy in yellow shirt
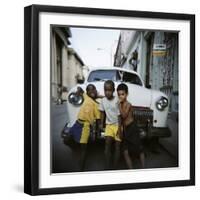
{"x": 87, "y": 115}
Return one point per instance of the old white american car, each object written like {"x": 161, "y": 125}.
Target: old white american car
{"x": 150, "y": 106}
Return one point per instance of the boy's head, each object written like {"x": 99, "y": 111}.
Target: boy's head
{"x": 91, "y": 91}
{"x": 122, "y": 91}
{"x": 109, "y": 88}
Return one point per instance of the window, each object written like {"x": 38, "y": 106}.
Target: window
{"x": 131, "y": 78}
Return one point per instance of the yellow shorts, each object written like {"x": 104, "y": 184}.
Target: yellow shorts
{"x": 85, "y": 133}
{"x": 111, "y": 131}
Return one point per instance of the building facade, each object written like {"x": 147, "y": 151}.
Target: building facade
{"x": 154, "y": 55}
{"x": 66, "y": 65}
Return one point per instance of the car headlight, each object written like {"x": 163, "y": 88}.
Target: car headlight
{"x": 75, "y": 99}
{"x": 162, "y": 103}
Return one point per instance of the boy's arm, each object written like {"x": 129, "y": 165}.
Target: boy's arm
{"x": 102, "y": 114}
{"x": 125, "y": 111}
{"x": 97, "y": 118}
{"x": 98, "y": 130}
{"x": 120, "y": 127}
{"x": 102, "y": 118}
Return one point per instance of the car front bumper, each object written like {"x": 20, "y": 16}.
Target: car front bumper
{"x": 152, "y": 132}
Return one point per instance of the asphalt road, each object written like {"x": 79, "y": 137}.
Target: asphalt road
{"x": 66, "y": 159}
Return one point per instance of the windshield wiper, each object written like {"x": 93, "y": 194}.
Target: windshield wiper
{"x": 100, "y": 79}
{"x": 97, "y": 79}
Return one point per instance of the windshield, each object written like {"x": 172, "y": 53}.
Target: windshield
{"x": 114, "y": 75}
{"x": 103, "y": 75}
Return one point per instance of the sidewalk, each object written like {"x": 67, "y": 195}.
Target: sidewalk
{"x": 171, "y": 143}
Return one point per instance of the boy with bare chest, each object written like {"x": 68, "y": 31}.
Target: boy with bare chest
{"x": 131, "y": 138}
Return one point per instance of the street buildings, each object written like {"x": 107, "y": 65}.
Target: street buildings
{"x": 66, "y": 64}
{"x": 154, "y": 55}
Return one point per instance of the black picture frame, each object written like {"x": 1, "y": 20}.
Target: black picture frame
{"x": 31, "y": 98}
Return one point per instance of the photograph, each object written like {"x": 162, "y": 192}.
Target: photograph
{"x": 109, "y": 99}
{"x": 114, "y": 99}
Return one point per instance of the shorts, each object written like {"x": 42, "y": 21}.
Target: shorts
{"x": 80, "y": 131}
{"x": 111, "y": 131}
{"x": 132, "y": 141}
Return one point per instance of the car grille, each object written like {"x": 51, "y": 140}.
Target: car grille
{"x": 143, "y": 116}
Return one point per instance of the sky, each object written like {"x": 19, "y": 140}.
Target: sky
{"x": 95, "y": 46}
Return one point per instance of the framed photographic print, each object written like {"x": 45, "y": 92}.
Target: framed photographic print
{"x": 109, "y": 99}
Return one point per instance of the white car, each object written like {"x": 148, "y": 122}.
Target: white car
{"x": 150, "y": 106}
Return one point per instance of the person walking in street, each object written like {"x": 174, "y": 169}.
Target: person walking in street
{"x": 59, "y": 93}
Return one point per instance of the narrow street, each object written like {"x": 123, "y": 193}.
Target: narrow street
{"x": 65, "y": 159}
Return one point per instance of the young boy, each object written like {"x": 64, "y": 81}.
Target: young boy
{"x": 131, "y": 138}
{"x": 87, "y": 115}
{"x": 109, "y": 108}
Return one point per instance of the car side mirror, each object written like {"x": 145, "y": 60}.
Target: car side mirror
{"x": 148, "y": 86}
{"x": 80, "y": 81}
